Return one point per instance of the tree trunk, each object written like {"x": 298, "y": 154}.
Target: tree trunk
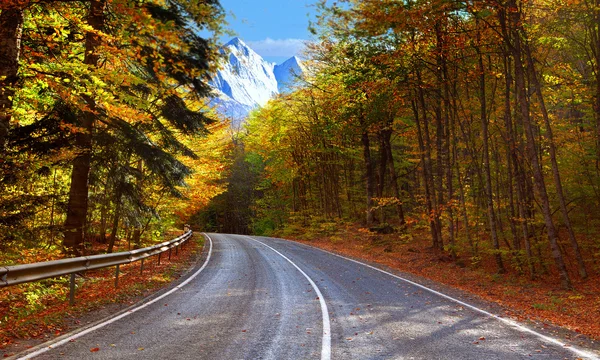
{"x": 116, "y": 218}
{"x": 11, "y": 28}
{"x": 383, "y": 160}
{"x": 78, "y": 193}
{"x": 555, "y": 170}
{"x": 595, "y": 51}
{"x": 393, "y": 176}
{"x": 426, "y": 179}
{"x": 369, "y": 174}
{"x": 137, "y": 232}
{"x": 539, "y": 184}
{"x": 511, "y": 163}
{"x": 486, "y": 162}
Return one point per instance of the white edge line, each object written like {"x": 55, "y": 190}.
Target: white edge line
{"x": 509, "y": 322}
{"x": 326, "y": 338}
{"x": 116, "y": 318}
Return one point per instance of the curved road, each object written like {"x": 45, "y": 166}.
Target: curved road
{"x": 264, "y": 298}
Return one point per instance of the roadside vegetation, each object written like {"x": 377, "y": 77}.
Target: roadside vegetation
{"x": 473, "y": 126}
{"x": 36, "y": 312}
{"x": 456, "y": 140}
{"x": 106, "y": 144}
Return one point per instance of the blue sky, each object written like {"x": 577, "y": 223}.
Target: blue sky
{"x": 276, "y": 29}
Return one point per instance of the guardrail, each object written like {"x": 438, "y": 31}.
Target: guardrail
{"x": 19, "y": 274}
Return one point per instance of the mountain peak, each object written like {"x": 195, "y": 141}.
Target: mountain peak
{"x": 287, "y": 73}
{"x": 237, "y": 42}
{"x": 246, "y": 80}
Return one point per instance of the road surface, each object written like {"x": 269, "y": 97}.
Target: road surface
{"x": 263, "y": 298}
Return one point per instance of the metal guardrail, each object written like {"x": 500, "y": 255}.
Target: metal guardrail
{"x": 19, "y": 274}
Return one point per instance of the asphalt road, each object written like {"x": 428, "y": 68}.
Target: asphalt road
{"x": 263, "y": 298}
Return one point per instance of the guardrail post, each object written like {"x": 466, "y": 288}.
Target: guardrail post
{"x": 72, "y": 290}
{"x": 27, "y": 273}
{"x": 117, "y": 277}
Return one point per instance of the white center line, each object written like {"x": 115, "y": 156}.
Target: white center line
{"x": 116, "y": 318}
{"x": 326, "y": 339}
{"x": 509, "y": 322}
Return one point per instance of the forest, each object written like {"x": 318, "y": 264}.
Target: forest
{"x": 475, "y": 124}
{"x": 105, "y": 132}
{"x": 468, "y": 127}
{"x": 478, "y": 121}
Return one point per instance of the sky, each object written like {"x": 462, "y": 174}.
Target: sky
{"x": 275, "y": 29}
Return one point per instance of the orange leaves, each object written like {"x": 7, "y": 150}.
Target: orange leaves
{"x": 525, "y": 299}
{"x": 21, "y": 321}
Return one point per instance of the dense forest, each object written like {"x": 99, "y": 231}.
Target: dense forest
{"x": 105, "y": 134}
{"x": 478, "y": 121}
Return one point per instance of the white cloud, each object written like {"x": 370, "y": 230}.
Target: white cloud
{"x": 278, "y": 47}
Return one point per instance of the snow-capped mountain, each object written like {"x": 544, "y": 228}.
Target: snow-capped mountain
{"x": 247, "y": 81}
{"x": 287, "y": 73}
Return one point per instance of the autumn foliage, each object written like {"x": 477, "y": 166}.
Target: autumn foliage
{"x": 478, "y": 121}
{"x": 105, "y": 132}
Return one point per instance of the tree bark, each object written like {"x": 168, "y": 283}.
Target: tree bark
{"x": 595, "y": 51}
{"x": 539, "y": 184}
{"x": 486, "y": 161}
{"x": 393, "y": 176}
{"x": 369, "y": 175}
{"x": 78, "y": 192}
{"x": 116, "y": 218}
{"x": 11, "y": 29}
{"x": 383, "y": 160}
{"x": 137, "y": 231}
{"x": 426, "y": 178}
{"x": 555, "y": 170}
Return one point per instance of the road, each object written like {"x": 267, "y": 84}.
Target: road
{"x": 263, "y": 298}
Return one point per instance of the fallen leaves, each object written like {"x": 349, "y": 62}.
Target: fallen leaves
{"x": 50, "y": 319}
{"x": 569, "y": 309}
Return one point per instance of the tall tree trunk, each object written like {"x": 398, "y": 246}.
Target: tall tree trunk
{"x": 116, "y": 218}
{"x": 531, "y": 146}
{"x": 486, "y": 161}
{"x": 434, "y": 212}
{"x": 516, "y": 146}
{"x": 137, "y": 231}
{"x": 393, "y": 176}
{"x": 511, "y": 162}
{"x": 555, "y": 170}
{"x": 78, "y": 193}
{"x": 440, "y": 124}
{"x": 383, "y": 160}
{"x": 426, "y": 178}
{"x": 370, "y": 186}
{"x": 11, "y": 28}
{"x": 595, "y": 51}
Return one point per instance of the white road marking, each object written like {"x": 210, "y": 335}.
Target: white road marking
{"x": 116, "y": 318}
{"x": 326, "y": 338}
{"x": 509, "y": 322}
